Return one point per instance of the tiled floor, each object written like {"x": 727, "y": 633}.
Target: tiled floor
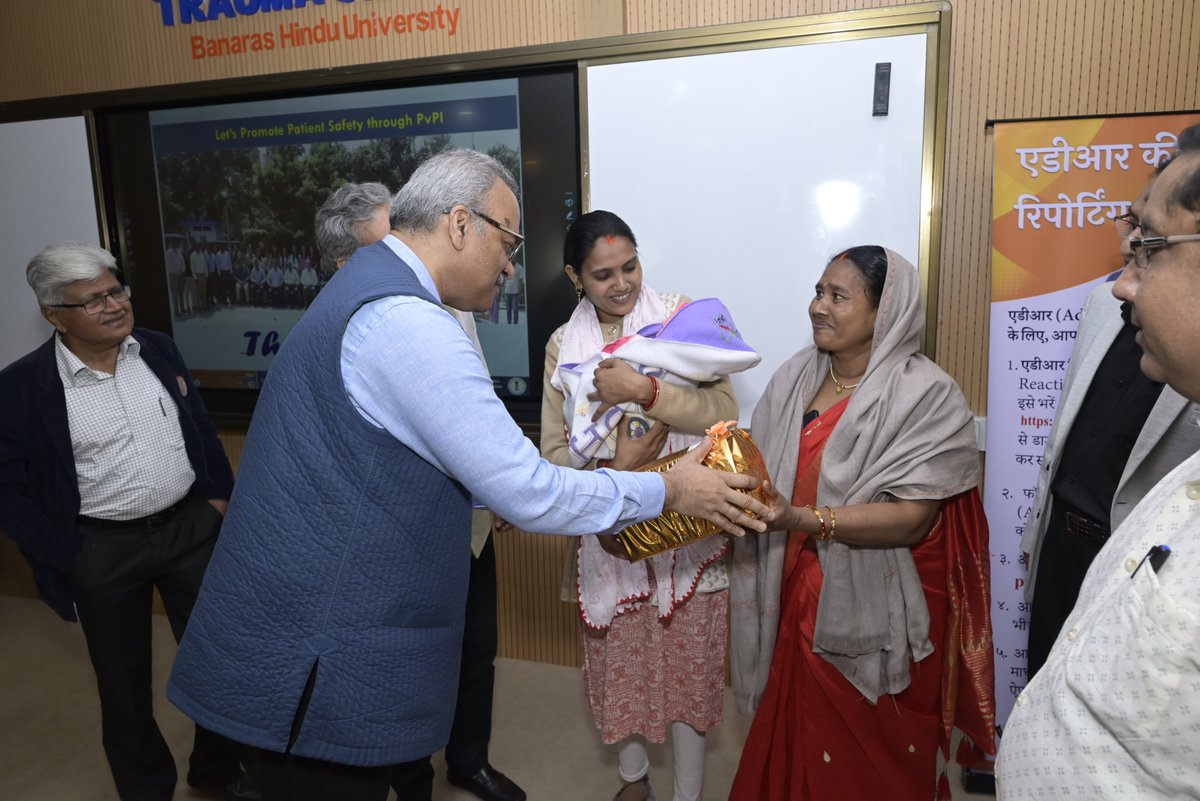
{"x": 543, "y": 735}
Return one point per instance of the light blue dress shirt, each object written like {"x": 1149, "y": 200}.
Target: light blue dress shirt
{"x": 409, "y": 368}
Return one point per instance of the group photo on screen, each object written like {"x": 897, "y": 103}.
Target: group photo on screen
{"x": 237, "y": 196}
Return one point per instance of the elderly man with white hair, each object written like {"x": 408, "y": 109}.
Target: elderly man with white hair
{"x": 113, "y": 484}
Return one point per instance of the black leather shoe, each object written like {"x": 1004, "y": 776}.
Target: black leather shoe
{"x": 488, "y": 784}
{"x": 240, "y": 789}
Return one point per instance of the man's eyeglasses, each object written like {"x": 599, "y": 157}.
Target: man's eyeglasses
{"x": 1145, "y": 247}
{"x": 1126, "y": 223}
{"x": 515, "y": 249}
{"x": 100, "y": 302}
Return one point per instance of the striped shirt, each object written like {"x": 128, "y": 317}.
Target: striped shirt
{"x": 130, "y": 457}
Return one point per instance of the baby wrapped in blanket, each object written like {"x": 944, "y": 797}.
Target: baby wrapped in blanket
{"x": 697, "y": 344}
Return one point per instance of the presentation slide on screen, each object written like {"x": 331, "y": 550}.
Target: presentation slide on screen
{"x": 238, "y": 187}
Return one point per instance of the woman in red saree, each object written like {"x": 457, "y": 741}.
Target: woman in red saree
{"x": 861, "y": 631}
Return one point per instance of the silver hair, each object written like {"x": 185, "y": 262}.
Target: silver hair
{"x": 63, "y": 263}
{"x": 447, "y": 179}
{"x": 340, "y": 220}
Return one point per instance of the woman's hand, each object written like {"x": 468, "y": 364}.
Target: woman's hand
{"x": 612, "y": 546}
{"x": 787, "y": 517}
{"x": 617, "y": 382}
{"x": 895, "y": 523}
{"x": 633, "y": 453}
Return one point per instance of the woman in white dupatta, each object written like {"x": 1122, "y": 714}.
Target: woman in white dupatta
{"x": 655, "y": 633}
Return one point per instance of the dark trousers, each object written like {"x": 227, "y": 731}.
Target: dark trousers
{"x": 467, "y": 750}
{"x": 176, "y": 282}
{"x": 1062, "y": 564}
{"x": 287, "y": 777}
{"x": 112, "y": 580}
{"x": 223, "y": 290}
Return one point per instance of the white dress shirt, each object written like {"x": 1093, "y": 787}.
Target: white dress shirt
{"x": 130, "y": 457}
{"x": 1115, "y": 712}
{"x": 175, "y": 265}
{"x": 199, "y": 263}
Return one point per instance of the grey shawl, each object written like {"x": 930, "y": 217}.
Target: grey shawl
{"x": 907, "y": 433}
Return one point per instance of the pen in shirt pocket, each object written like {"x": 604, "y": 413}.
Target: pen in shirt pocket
{"x": 160, "y": 405}
{"x": 1157, "y": 556}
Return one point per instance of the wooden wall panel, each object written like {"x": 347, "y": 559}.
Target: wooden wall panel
{"x": 64, "y": 47}
{"x": 534, "y": 622}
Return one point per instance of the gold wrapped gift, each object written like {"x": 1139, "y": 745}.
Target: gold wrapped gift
{"x": 734, "y": 452}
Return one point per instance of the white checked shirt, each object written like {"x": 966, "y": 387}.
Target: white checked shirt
{"x": 1115, "y": 712}
{"x": 130, "y": 457}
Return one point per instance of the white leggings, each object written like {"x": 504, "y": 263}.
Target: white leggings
{"x": 687, "y": 746}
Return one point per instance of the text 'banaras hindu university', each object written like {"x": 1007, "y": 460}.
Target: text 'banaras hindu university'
{"x": 349, "y": 27}
{"x": 187, "y": 12}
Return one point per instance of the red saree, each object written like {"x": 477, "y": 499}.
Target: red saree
{"x": 815, "y": 736}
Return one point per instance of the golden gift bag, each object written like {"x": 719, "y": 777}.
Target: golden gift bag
{"x": 734, "y": 452}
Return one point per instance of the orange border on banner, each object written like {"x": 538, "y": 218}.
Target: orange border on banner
{"x": 1087, "y": 172}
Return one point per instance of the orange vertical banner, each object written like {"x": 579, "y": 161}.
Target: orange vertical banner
{"x": 1058, "y": 185}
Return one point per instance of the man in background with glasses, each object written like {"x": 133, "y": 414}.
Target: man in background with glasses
{"x": 1115, "y": 434}
{"x": 1115, "y": 711}
{"x": 113, "y": 483}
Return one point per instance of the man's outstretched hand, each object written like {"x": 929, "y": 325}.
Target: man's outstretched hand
{"x": 699, "y": 491}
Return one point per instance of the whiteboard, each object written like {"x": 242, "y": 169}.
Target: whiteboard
{"x": 742, "y": 172}
{"x": 47, "y": 197}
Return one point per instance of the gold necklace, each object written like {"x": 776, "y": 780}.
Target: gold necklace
{"x": 838, "y": 386}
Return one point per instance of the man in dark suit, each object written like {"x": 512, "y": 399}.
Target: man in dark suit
{"x": 113, "y": 483}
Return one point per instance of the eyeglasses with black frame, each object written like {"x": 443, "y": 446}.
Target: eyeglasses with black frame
{"x": 100, "y": 302}
{"x": 1144, "y": 247}
{"x": 515, "y": 249}
{"x": 1126, "y": 223}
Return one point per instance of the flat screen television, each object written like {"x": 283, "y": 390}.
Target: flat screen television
{"x": 226, "y": 192}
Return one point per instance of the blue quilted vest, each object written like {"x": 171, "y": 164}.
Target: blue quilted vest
{"x": 343, "y": 553}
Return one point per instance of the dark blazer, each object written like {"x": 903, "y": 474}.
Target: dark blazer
{"x": 39, "y": 490}
{"x": 1168, "y": 437}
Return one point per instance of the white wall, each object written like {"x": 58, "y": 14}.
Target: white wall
{"x": 741, "y": 173}
{"x": 47, "y": 197}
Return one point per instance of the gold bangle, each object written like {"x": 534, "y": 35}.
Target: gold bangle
{"x": 832, "y": 522}
{"x": 820, "y": 535}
